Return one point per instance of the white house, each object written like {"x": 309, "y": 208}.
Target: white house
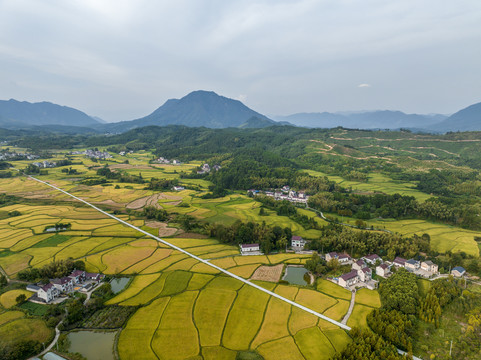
{"x": 429, "y": 266}
{"x": 77, "y": 276}
{"x": 93, "y": 276}
{"x": 331, "y": 255}
{"x": 412, "y": 265}
{"x": 64, "y": 284}
{"x": 371, "y": 259}
{"x": 458, "y": 271}
{"x": 178, "y": 188}
{"x": 399, "y": 262}
{"x": 298, "y": 241}
{"x": 47, "y": 292}
{"x": 358, "y": 265}
{"x": 349, "y": 279}
{"x": 248, "y": 248}
{"x": 343, "y": 258}
{"x": 383, "y": 270}
{"x": 365, "y": 274}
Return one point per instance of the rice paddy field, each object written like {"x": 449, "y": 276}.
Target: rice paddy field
{"x": 186, "y": 309}
{"x": 376, "y": 183}
{"x": 224, "y": 314}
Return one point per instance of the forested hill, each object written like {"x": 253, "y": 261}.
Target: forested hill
{"x": 22, "y": 114}
{"x": 199, "y": 108}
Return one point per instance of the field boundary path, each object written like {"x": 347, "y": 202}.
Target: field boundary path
{"x": 351, "y": 306}
{"x": 247, "y": 282}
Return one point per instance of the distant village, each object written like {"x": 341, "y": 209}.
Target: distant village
{"x": 78, "y": 280}
{"x": 94, "y": 154}
{"x": 361, "y": 274}
{"x": 285, "y": 193}
{"x": 205, "y": 169}
{"x": 8, "y": 155}
{"x": 162, "y": 160}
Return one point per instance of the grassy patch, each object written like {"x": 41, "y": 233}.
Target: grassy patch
{"x": 110, "y": 317}
{"x": 34, "y": 308}
{"x": 52, "y": 241}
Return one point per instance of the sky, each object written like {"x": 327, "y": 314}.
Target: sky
{"x": 122, "y": 59}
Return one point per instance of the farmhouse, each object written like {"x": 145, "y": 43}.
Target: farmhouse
{"x": 64, "y": 284}
{"x": 365, "y": 274}
{"x": 93, "y": 276}
{"x": 178, "y": 188}
{"x": 383, "y": 270}
{"x": 46, "y": 292}
{"x": 349, "y": 279}
{"x": 358, "y": 265}
{"x": 399, "y": 262}
{"x": 343, "y": 258}
{"x": 249, "y": 248}
{"x": 298, "y": 241}
{"x": 458, "y": 271}
{"x": 412, "y": 265}
{"x": 429, "y": 266}
{"x": 78, "y": 276}
{"x": 371, "y": 259}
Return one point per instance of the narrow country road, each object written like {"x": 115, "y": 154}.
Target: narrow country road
{"x": 351, "y": 306}
{"x": 52, "y": 344}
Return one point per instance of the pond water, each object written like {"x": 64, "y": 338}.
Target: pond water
{"x": 92, "y": 345}
{"x": 119, "y": 284}
{"x": 295, "y": 275}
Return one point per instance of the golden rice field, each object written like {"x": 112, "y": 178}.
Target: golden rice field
{"x": 220, "y": 316}
{"x": 14, "y": 326}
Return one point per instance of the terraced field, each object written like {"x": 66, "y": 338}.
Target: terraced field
{"x": 223, "y": 314}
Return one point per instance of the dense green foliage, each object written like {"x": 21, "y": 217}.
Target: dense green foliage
{"x": 400, "y": 292}
{"x": 335, "y": 237}
{"x": 55, "y": 269}
{"x": 367, "y": 345}
{"x": 269, "y": 238}
{"x": 20, "y": 350}
{"x": 151, "y": 212}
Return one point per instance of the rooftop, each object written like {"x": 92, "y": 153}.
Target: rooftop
{"x": 349, "y": 275}
{"x": 247, "y": 246}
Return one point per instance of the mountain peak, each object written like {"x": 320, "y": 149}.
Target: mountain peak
{"x": 24, "y": 114}
{"x": 200, "y": 108}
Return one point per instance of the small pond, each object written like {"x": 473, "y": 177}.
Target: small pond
{"x": 295, "y": 275}
{"x": 119, "y": 284}
{"x": 93, "y": 345}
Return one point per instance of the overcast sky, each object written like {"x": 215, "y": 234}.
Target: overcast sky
{"x": 121, "y": 59}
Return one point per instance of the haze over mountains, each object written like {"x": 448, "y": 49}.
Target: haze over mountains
{"x": 206, "y": 108}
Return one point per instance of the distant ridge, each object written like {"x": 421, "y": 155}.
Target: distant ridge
{"x": 467, "y": 119}
{"x": 197, "y": 109}
{"x": 22, "y": 115}
{"x": 382, "y": 119}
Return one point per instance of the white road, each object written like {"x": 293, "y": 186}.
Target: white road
{"x": 247, "y": 282}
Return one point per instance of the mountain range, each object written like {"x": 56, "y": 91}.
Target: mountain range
{"x": 207, "y": 109}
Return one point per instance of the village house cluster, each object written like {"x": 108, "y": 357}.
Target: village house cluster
{"x": 45, "y": 164}
{"x": 7, "y": 155}
{"x": 78, "y": 280}
{"x": 123, "y": 153}
{"x": 95, "y": 154}
{"x": 205, "y": 169}
{"x": 162, "y": 160}
{"x": 285, "y": 193}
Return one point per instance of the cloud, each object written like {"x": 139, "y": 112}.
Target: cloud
{"x": 119, "y": 59}
{"x": 242, "y": 98}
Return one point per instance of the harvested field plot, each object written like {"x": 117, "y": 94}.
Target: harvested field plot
{"x": 268, "y": 273}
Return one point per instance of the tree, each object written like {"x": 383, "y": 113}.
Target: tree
{"x": 3, "y": 281}
{"x": 20, "y": 299}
